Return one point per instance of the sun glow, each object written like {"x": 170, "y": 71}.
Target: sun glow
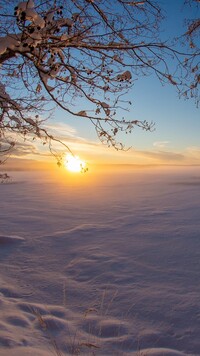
{"x": 74, "y": 164}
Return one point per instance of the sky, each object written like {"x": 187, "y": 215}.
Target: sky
{"x": 175, "y": 139}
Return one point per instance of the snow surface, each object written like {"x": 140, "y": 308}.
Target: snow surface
{"x": 103, "y": 265}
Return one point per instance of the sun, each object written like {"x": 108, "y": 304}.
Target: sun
{"x": 74, "y": 164}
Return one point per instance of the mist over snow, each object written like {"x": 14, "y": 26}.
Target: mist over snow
{"x": 105, "y": 264}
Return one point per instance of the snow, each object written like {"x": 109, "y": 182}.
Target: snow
{"x": 124, "y": 76}
{"x": 31, "y": 13}
{"x": 26, "y": 5}
{"x": 106, "y": 263}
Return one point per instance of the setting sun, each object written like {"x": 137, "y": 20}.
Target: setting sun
{"x": 74, "y": 164}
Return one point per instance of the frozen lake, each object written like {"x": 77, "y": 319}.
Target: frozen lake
{"x": 107, "y": 263}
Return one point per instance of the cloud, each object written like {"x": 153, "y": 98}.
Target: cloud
{"x": 23, "y": 149}
{"x": 164, "y": 155}
{"x": 96, "y": 152}
{"x": 161, "y": 144}
{"x": 193, "y": 151}
{"x": 68, "y": 134}
{"x": 60, "y": 130}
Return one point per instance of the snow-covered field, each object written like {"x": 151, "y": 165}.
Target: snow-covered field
{"x": 105, "y": 264}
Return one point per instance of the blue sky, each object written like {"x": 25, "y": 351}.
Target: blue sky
{"x": 177, "y": 121}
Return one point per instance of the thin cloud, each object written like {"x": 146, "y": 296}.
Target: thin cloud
{"x": 163, "y": 155}
{"x": 60, "y": 130}
{"x": 194, "y": 150}
{"x": 161, "y": 144}
{"x": 68, "y": 134}
{"x": 97, "y": 152}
